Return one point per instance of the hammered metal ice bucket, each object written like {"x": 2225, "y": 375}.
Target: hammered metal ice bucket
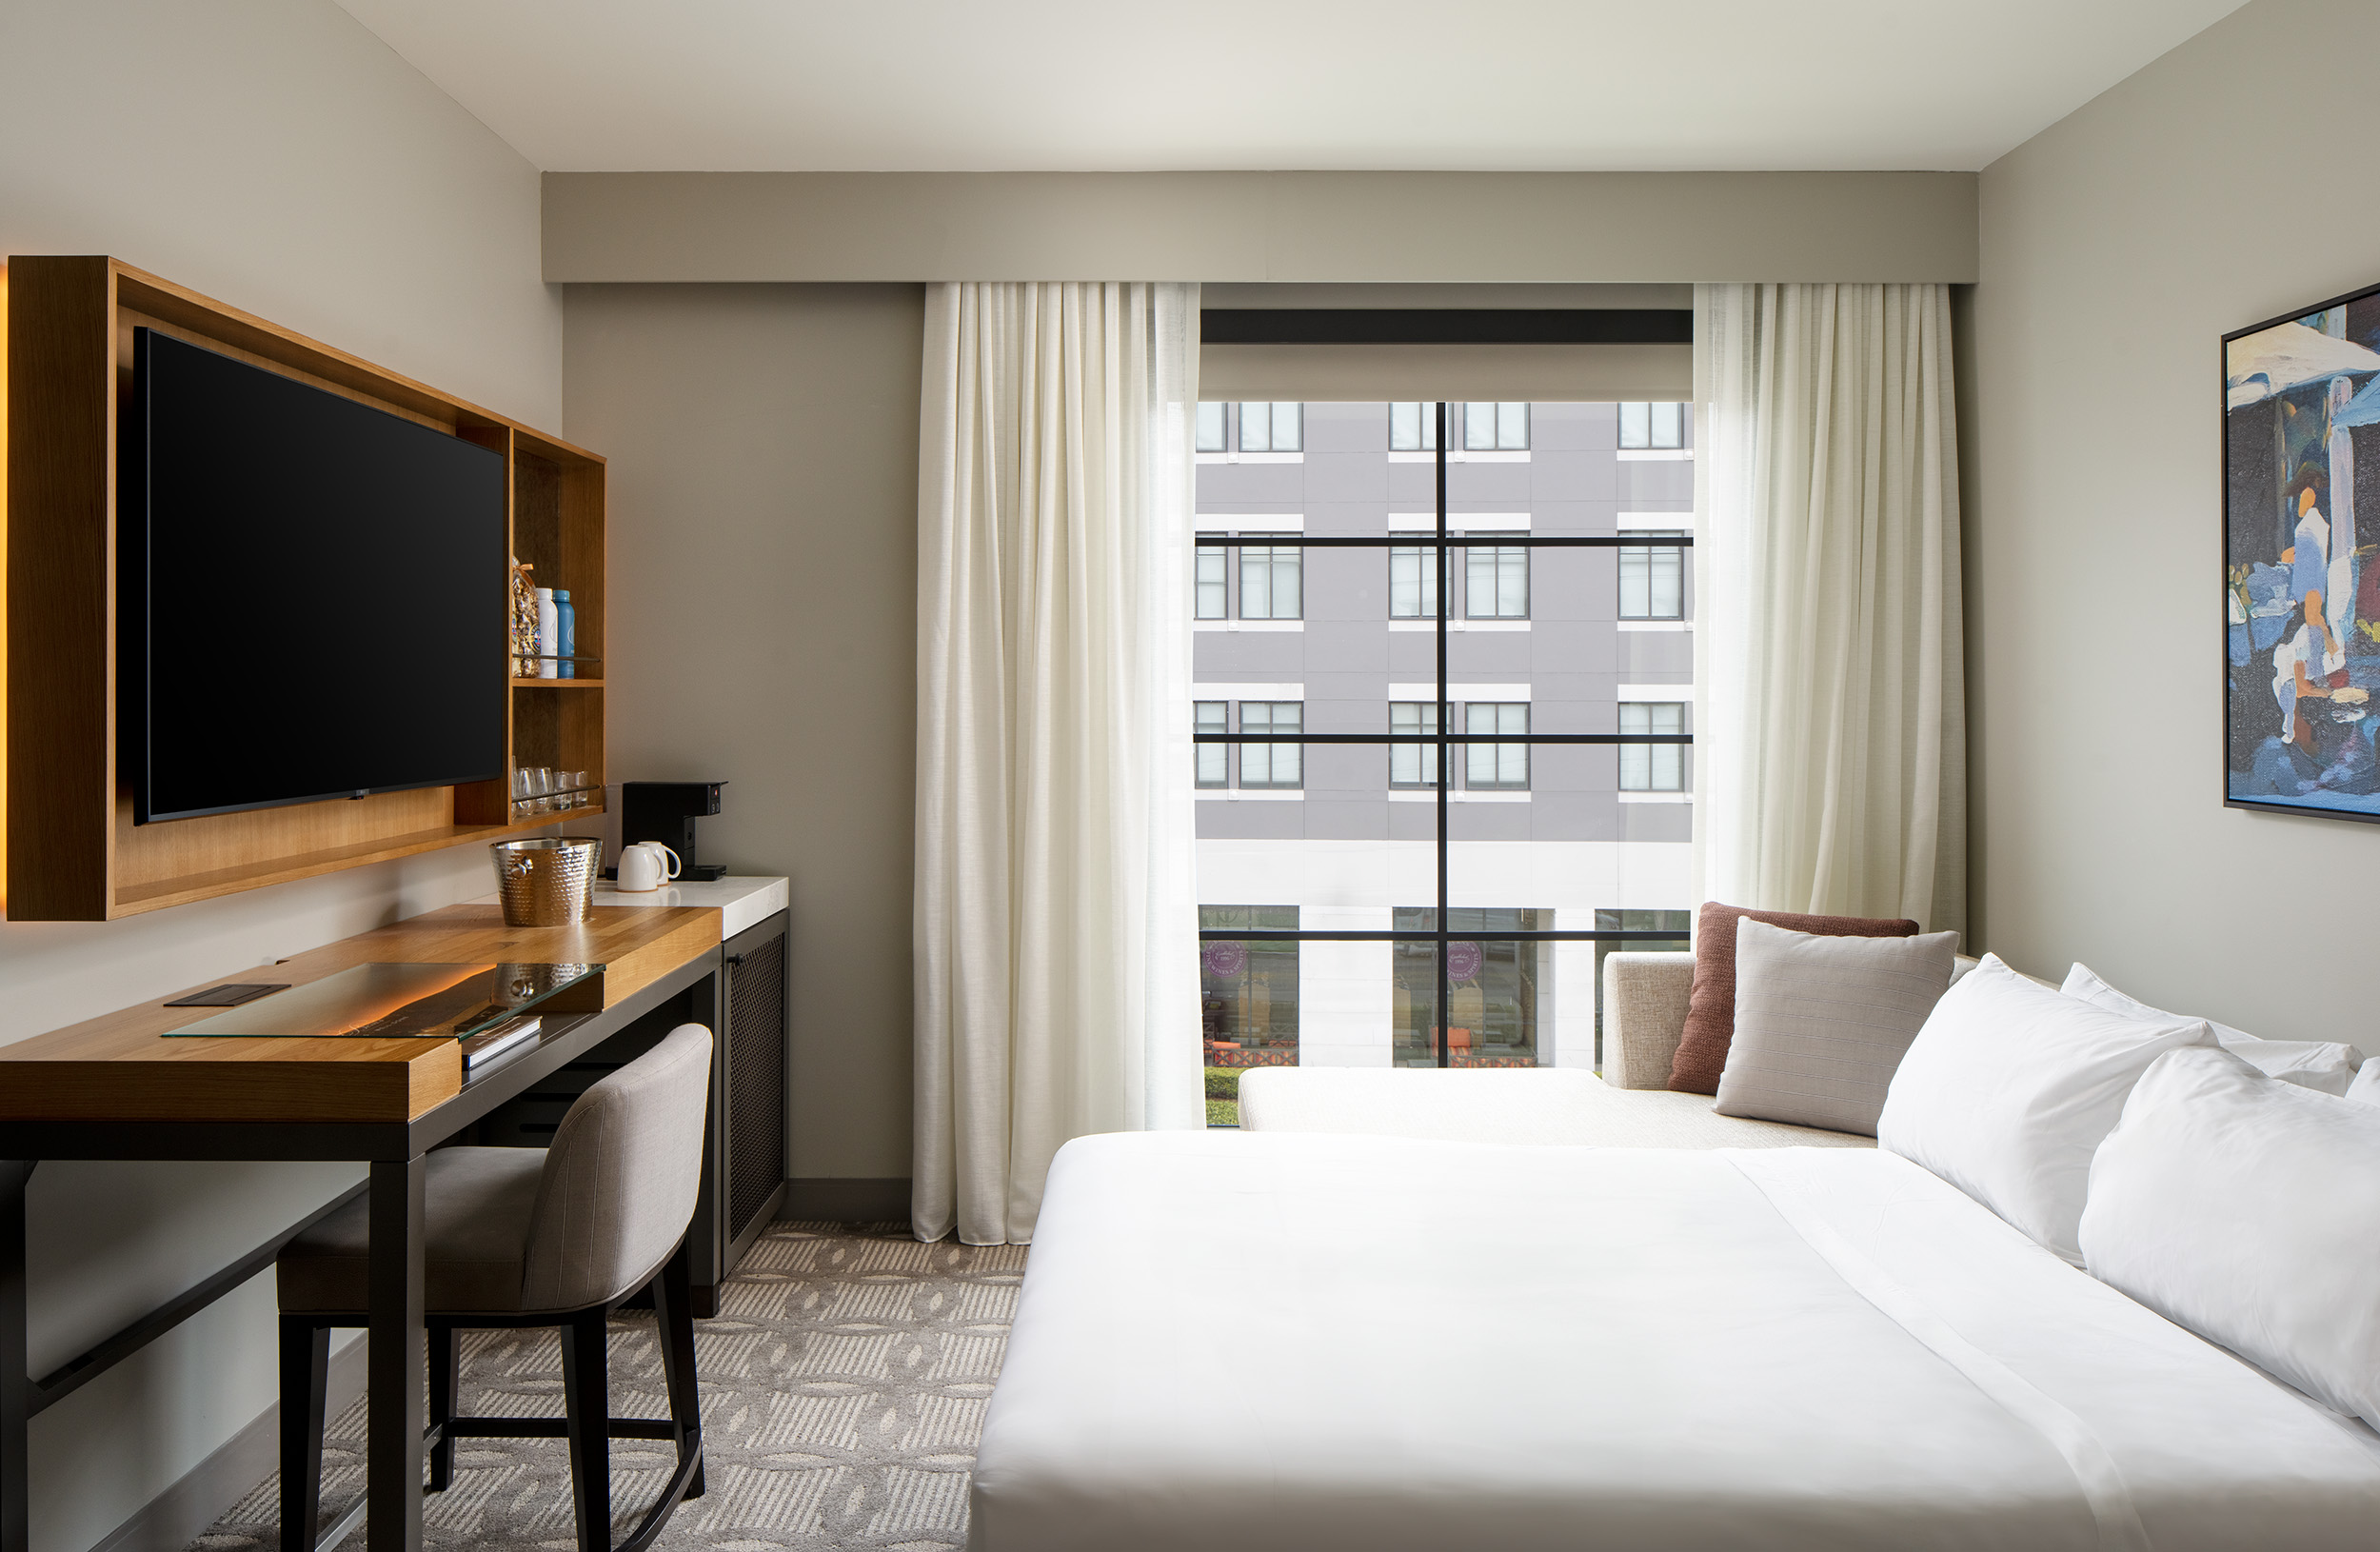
{"x": 548, "y": 881}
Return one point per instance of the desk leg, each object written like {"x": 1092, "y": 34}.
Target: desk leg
{"x": 394, "y": 1477}
{"x": 16, "y": 1387}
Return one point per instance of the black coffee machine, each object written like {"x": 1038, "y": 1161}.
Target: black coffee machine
{"x": 666, "y": 811}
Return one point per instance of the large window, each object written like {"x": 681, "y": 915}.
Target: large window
{"x": 1272, "y": 428}
{"x": 1649, "y": 426}
{"x": 1496, "y": 582}
{"x": 1652, "y": 582}
{"x": 1499, "y": 767}
{"x": 1496, "y": 428}
{"x": 1651, "y": 767}
{"x": 1271, "y": 581}
{"x": 1270, "y": 765}
{"x": 1380, "y": 872}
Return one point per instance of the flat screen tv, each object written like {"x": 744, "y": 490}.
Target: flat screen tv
{"x": 314, "y": 593}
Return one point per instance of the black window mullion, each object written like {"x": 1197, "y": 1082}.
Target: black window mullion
{"x": 1446, "y": 723}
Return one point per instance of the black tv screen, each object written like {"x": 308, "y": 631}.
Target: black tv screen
{"x": 314, "y": 592}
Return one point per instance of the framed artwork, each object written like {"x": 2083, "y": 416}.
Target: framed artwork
{"x": 2301, "y": 447}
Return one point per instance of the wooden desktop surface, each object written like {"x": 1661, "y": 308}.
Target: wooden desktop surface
{"x": 120, "y": 1067}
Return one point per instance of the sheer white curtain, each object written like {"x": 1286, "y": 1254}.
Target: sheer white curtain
{"x": 1057, "y": 985}
{"x": 1831, "y": 741}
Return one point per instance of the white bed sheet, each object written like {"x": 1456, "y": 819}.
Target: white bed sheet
{"x": 1240, "y": 1344}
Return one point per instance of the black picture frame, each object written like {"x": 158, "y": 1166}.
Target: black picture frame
{"x": 2301, "y": 438}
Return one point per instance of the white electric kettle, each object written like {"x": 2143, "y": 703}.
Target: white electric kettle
{"x": 642, "y": 866}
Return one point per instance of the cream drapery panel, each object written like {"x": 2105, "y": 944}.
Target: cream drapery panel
{"x": 1830, "y": 722}
{"x": 1056, "y": 932}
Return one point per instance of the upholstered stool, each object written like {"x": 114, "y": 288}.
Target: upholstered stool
{"x": 529, "y": 1237}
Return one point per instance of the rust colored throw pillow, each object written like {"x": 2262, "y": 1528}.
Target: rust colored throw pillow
{"x": 1711, "y": 1005}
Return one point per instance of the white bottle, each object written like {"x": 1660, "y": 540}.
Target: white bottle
{"x": 548, "y": 630}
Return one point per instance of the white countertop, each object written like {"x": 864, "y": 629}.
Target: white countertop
{"x": 740, "y": 902}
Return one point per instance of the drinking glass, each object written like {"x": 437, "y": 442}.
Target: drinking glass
{"x": 540, "y": 790}
{"x": 576, "y": 782}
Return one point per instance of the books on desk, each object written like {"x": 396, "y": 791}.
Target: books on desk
{"x": 485, "y": 1046}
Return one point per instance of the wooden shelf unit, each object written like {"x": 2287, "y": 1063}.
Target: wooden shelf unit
{"x": 73, "y": 852}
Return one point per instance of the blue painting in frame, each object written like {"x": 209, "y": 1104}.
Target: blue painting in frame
{"x": 2301, "y": 452}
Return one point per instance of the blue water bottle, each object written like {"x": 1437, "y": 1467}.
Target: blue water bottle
{"x": 565, "y": 633}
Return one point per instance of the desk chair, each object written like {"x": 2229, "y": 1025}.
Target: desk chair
{"x": 529, "y": 1237}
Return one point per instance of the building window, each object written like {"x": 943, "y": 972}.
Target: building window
{"x": 1214, "y": 759}
{"x": 1270, "y": 765}
{"x": 1496, "y": 428}
{"x": 1652, "y": 582}
{"x": 1247, "y": 998}
{"x": 1412, "y": 583}
{"x": 1271, "y": 427}
{"x": 1653, "y": 768}
{"x": 1496, "y": 582}
{"x": 1492, "y": 1006}
{"x": 1210, "y": 426}
{"x": 1269, "y": 582}
{"x": 1213, "y": 591}
{"x": 1502, "y": 767}
{"x": 1651, "y": 425}
{"x": 1411, "y": 428}
{"x": 1413, "y": 764}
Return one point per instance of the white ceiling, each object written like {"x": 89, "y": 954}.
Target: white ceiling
{"x": 1030, "y": 85}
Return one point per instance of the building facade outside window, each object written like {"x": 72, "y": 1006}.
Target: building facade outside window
{"x": 1495, "y": 768}
{"x": 1413, "y": 764}
{"x": 1496, "y": 582}
{"x": 1492, "y": 1007}
{"x": 1649, "y": 426}
{"x": 1210, "y": 438}
{"x": 1412, "y": 583}
{"x": 1652, "y": 582}
{"x": 1271, "y": 582}
{"x": 1413, "y": 428}
{"x": 1270, "y": 765}
{"x": 1651, "y": 767}
{"x": 1214, "y": 587}
{"x": 1271, "y": 427}
{"x": 1247, "y": 1000}
{"x": 1496, "y": 428}
{"x": 1214, "y": 759}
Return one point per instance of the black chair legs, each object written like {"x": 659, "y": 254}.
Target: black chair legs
{"x": 304, "y": 1376}
{"x": 586, "y": 1405}
{"x": 587, "y": 1423}
{"x": 445, "y": 1378}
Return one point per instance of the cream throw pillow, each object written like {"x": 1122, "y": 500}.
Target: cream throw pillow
{"x": 1821, "y": 1023}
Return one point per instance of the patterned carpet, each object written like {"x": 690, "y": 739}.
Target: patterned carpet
{"x": 844, "y": 1385}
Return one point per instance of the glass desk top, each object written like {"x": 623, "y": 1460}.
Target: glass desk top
{"x": 396, "y": 1002}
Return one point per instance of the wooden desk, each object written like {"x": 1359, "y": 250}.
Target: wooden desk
{"x": 113, "y": 1088}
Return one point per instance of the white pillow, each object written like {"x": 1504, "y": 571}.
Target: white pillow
{"x": 2366, "y": 1085}
{"x": 2322, "y": 1065}
{"x": 2249, "y": 1211}
{"x": 2009, "y": 1088}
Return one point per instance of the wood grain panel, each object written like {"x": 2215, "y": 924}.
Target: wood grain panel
{"x": 61, "y": 587}
{"x": 122, "y": 1067}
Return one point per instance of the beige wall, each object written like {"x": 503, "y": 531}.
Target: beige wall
{"x": 276, "y": 155}
{"x": 763, "y": 447}
{"x": 1520, "y": 228}
{"x": 2228, "y": 182}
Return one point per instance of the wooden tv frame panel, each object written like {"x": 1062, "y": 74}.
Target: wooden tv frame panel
{"x": 73, "y": 852}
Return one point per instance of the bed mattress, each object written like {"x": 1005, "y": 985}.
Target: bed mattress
{"x": 1245, "y": 1343}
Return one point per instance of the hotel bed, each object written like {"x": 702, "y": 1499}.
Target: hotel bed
{"x": 1247, "y": 1343}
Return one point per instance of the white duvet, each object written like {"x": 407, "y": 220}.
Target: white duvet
{"x": 1246, "y": 1342}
